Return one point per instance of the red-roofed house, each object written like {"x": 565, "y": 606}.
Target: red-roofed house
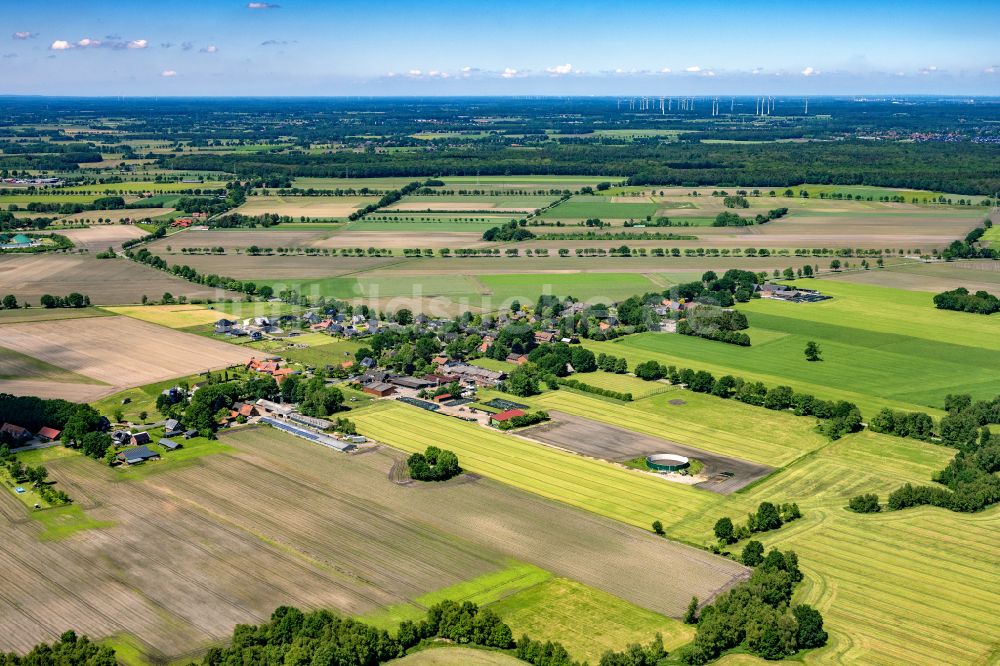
{"x": 506, "y": 416}
{"x": 48, "y": 434}
{"x": 281, "y": 374}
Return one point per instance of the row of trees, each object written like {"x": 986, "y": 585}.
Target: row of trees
{"x": 839, "y": 417}
{"x": 768, "y": 517}
{"x": 596, "y": 390}
{"x": 387, "y": 199}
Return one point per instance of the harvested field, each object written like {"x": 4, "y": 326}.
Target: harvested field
{"x": 281, "y": 521}
{"x": 934, "y": 601}
{"x": 314, "y": 207}
{"x": 18, "y": 366}
{"x": 601, "y": 440}
{"x": 100, "y": 237}
{"x": 118, "y": 351}
{"x": 936, "y": 277}
{"x": 239, "y": 238}
{"x": 105, "y": 281}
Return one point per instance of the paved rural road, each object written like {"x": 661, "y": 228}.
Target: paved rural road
{"x": 600, "y": 440}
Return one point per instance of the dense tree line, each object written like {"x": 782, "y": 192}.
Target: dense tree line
{"x": 69, "y": 650}
{"x": 757, "y": 614}
{"x": 510, "y": 232}
{"x": 961, "y": 300}
{"x": 81, "y": 425}
{"x": 917, "y": 425}
{"x": 387, "y": 199}
{"x": 727, "y": 219}
{"x": 714, "y": 323}
{"x": 434, "y": 464}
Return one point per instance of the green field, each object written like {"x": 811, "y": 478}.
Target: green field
{"x": 863, "y": 332}
{"x": 622, "y": 383}
{"x": 939, "y": 575}
{"x": 600, "y": 487}
{"x": 726, "y": 427}
{"x": 587, "y": 621}
{"x": 585, "y": 207}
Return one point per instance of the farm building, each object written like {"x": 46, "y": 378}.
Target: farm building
{"x": 500, "y": 417}
{"x": 172, "y": 428}
{"x": 378, "y": 389}
{"x": 48, "y": 434}
{"x": 169, "y": 444}
{"x": 137, "y": 454}
{"x": 311, "y": 421}
{"x": 544, "y": 337}
{"x": 15, "y": 432}
{"x": 274, "y": 409}
{"x": 141, "y": 438}
{"x": 410, "y": 382}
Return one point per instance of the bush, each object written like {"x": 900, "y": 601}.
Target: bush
{"x": 596, "y": 390}
{"x": 867, "y": 503}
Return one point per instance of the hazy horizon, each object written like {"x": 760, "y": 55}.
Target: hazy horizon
{"x": 392, "y": 48}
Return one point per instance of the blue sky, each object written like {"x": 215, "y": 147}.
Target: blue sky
{"x": 349, "y": 47}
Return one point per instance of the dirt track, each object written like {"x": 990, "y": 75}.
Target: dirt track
{"x": 600, "y": 440}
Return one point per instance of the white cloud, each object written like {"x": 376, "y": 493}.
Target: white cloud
{"x": 756, "y": 70}
{"x": 694, "y": 69}
{"x": 930, "y": 69}
{"x": 414, "y": 72}
{"x": 138, "y": 44}
{"x": 87, "y": 43}
{"x": 560, "y": 70}
{"x": 809, "y": 71}
{"x": 666, "y": 70}
{"x": 509, "y": 73}
{"x": 211, "y": 48}
{"x": 708, "y": 72}
{"x": 61, "y": 45}
{"x": 992, "y": 69}
{"x": 24, "y": 34}
{"x": 262, "y": 5}
{"x": 168, "y": 73}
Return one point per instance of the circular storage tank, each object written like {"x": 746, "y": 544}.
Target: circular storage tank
{"x": 667, "y": 462}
